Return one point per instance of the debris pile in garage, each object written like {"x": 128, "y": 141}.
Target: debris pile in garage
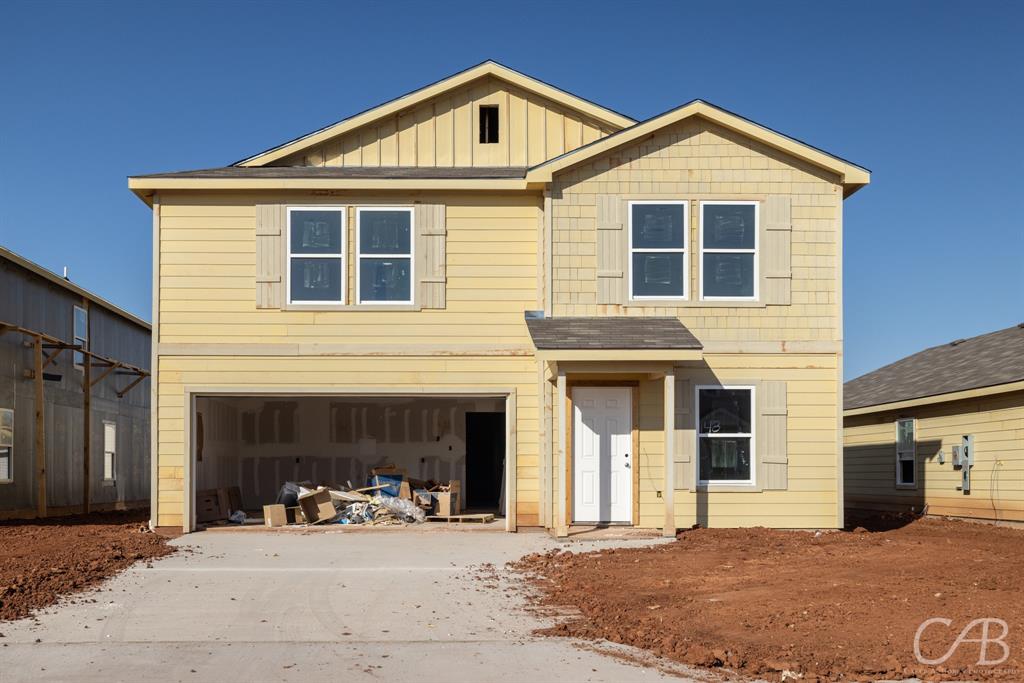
{"x": 390, "y": 497}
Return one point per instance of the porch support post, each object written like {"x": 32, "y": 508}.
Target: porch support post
{"x": 668, "y": 493}
{"x": 562, "y": 522}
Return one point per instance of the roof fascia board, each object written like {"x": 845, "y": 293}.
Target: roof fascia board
{"x": 423, "y": 94}
{"x": 152, "y": 184}
{"x": 71, "y": 286}
{"x": 623, "y": 355}
{"x": 850, "y": 175}
{"x": 937, "y": 398}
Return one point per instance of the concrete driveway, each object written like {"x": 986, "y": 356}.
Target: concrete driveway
{"x": 388, "y": 605}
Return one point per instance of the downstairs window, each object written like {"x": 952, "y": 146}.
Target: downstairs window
{"x": 725, "y": 434}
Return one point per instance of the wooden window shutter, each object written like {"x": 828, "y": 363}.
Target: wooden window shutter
{"x": 772, "y": 442}
{"x": 778, "y": 233}
{"x": 612, "y": 250}
{"x": 270, "y": 220}
{"x": 686, "y": 436}
{"x": 431, "y": 254}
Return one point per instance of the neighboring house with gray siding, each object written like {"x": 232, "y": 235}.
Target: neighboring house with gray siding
{"x": 38, "y": 306}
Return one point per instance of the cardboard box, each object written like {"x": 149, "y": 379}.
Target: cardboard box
{"x": 230, "y": 499}
{"x": 293, "y": 515}
{"x": 317, "y": 506}
{"x": 208, "y": 506}
{"x": 423, "y": 498}
{"x": 446, "y": 503}
{"x": 275, "y": 515}
{"x": 455, "y": 486}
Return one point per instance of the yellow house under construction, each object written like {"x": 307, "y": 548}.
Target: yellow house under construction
{"x": 586, "y": 318}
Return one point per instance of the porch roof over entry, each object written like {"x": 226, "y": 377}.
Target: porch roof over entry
{"x": 613, "y": 338}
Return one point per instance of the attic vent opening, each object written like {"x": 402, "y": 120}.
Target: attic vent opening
{"x": 488, "y": 124}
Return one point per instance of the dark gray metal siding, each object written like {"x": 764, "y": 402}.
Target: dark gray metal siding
{"x": 31, "y": 301}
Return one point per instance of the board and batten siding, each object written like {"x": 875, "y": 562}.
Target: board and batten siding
{"x": 208, "y": 297}
{"x": 694, "y": 160}
{"x": 997, "y": 478}
{"x": 444, "y": 132}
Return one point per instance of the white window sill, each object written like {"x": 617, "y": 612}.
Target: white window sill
{"x": 350, "y": 307}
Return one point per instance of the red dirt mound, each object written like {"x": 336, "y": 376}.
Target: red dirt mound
{"x": 828, "y": 606}
{"x": 43, "y": 560}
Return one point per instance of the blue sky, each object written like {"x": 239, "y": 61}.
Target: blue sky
{"x": 928, "y": 95}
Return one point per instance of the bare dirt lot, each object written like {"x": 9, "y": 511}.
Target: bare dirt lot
{"x": 830, "y": 605}
{"x": 43, "y": 560}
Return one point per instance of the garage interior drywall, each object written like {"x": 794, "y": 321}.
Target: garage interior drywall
{"x": 259, "y": 443}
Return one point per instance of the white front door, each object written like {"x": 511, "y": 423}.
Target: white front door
{"x": 602, "y": 454}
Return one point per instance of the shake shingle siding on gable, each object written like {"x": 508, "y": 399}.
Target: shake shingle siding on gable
{"x": 983, "y": 361}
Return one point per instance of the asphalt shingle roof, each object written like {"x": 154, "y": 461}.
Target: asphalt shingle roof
{"x": 611, "y": 332}
{"x": 983, "y": 361}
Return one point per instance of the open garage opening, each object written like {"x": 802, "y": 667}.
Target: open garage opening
{"x": 252, "y": 445}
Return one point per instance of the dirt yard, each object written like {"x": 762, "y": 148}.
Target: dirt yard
{"x": 828, "y": 606}
{"x": 44, "y": 560}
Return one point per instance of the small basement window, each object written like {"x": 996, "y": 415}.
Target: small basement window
{"x": 488, "y": 124}
{"x": 6, "y": 445}
{"x": 906, "y": 450}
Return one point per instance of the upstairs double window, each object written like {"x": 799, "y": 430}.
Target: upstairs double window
{"x": 659, "y": 255}
{"x": 317, "y": 255}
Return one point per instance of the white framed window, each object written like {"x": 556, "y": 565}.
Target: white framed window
{"x": 725, "y": 434}
{"x": 109, "y": 451}
{"x": 80, "y": 325}
{"x": 385, "y": 238}
{"x": 6, "y": 445}
{"x": 728, "y": 250}
{"x": 658, "y": 233}
{"x": 906, "y": 452}
{"x": 316, "y": 255}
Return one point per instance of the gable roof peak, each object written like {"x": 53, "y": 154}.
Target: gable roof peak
{"x": 488, "y": 67}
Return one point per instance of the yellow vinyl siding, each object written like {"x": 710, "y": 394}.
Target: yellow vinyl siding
{"x": 699, "y": 160}
{"x": 997, "y": 478}
{"x": 492, "y": 257}
{"x": 444, "y": 132}
{"x": 207, "y": 296}
{"x": 812, "y": 416}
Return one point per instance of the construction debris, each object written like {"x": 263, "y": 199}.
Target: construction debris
{"x": 390, "y": 497}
